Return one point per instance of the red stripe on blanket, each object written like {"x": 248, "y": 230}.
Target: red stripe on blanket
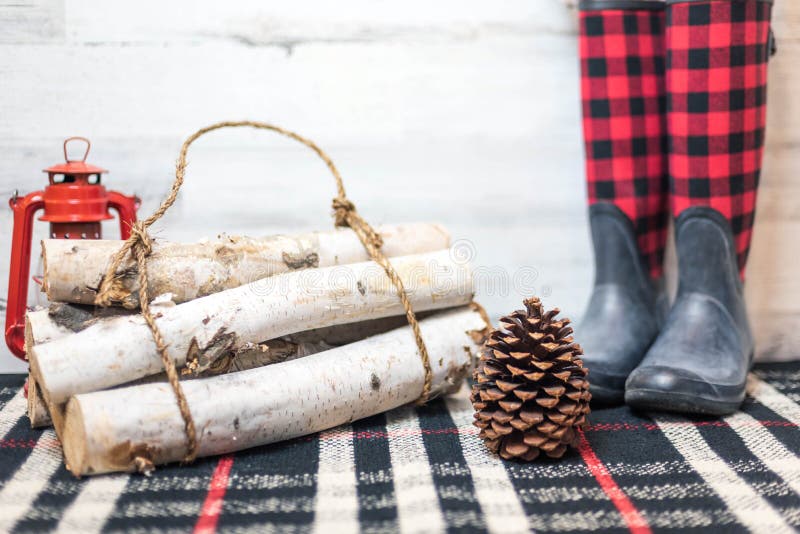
{"x": 633, "y": 519}
{"x": 212, "y": 507}
{"x": 12, "y": 443}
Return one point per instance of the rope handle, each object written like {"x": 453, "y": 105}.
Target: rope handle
{"x": 140, "y": 245}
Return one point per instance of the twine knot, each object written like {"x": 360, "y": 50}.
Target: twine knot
{"x": 345, "y": 214}
{"x": 342, "y": 207}
{"x": 141, "y": 238}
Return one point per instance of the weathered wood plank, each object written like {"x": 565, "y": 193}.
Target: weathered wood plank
{"x": 32, "y": 21}
{"x": 408, "y": 98}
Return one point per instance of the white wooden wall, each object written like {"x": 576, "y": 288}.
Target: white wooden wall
{"x": 464, "y": 112}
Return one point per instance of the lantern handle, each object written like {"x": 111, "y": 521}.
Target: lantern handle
{"x": 77, "y": 138}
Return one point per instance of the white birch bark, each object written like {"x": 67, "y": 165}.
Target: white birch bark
{"x": 74, "y": 269}
{"x": 120, "y": 429}
{"x": 61, "y": 320}
{"x": 121, "y": 349}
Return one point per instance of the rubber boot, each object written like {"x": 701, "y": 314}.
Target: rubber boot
{"x": 623, "y": 316}
{"x": 699, "y": 362}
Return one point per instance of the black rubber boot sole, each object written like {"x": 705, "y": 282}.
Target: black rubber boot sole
{"x": 669, "y": 401}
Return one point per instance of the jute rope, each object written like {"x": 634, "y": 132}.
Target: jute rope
{"x": 140, "y": 245}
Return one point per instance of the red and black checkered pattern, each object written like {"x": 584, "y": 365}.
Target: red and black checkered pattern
{"x": 716, "y": 80}
{"x": 624, "y": 103}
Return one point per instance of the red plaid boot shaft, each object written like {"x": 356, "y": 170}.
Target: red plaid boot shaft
{"x": 624, "y": 105}
{"x": 716, "y": 80}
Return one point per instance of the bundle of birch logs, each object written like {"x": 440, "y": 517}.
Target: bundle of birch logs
{"x": 275, "y": 337}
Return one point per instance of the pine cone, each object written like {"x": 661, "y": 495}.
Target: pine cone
{"x": 530, "y": 392}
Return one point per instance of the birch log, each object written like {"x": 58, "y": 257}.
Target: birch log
{"x": 136, "y": 427}
{"x": 73, "y": 269}
{"x": 121, "y": 349}
{"x": 60, "y": 320}
{"x": 43, "y": 325}
{"x": 37, "y": 408}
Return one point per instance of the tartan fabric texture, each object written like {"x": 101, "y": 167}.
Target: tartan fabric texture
{"x": 716, "y": 78}
{"x": 624, "y": 124}
{"x": 425, "y": 470}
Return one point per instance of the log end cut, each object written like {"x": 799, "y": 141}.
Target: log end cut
{"x": 74, "y": 442}
{"x": 80, "y": 449}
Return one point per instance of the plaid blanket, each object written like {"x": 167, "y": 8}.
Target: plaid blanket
{"x": 424, "y": 469}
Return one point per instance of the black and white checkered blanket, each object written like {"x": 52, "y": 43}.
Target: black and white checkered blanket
{"x": 425, "y": 470}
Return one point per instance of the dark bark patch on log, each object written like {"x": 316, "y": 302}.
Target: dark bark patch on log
{"x": 479, "y": 336}
{"x": 258, "y": 355}
{"x": 301, "y": 261}
{"x": 375, "y": 382}
{"x": 120, "y": 290}
{"x": 77, "y": 317}
{"x": 211, "y": 286}
{"x": 200, "y": 359}
{"x": 221, "y": 366}
{"x": 227, "y": 255}
{"x": 72, "y": 318}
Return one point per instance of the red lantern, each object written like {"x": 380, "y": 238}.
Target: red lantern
{"x": 74, "y": 203}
